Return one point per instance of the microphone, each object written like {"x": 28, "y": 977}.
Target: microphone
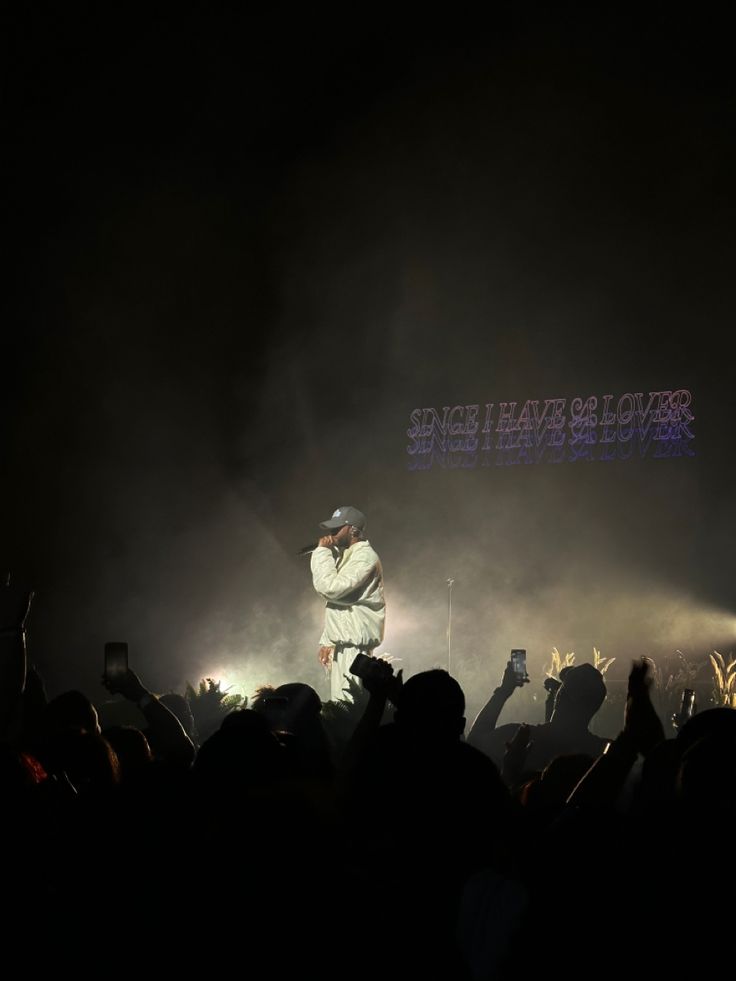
{"x": 309, "y": 548}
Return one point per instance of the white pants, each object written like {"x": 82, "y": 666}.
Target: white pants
{"x": 342, "y": 658}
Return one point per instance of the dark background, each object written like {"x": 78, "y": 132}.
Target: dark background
{"x": 241, "y": 249}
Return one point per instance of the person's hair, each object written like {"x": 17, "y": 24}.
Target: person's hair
{"x": 70, "y": 710}
{"x": 432, "y": 700}
{"x": 181, "y": 708}
{"x": 131, "y": 748}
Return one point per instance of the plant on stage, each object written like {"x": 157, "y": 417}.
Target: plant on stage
{"x": 685, "y": 675}
{"x": 724, "y": 680}
{"x": 558, "y": 663}
{"x": 602, "y": 663}
{"x": 669, "y": 682}
{"x": 667, "y": 691}
{"x": 210, "y": 704}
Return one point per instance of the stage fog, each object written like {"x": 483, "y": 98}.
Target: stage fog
{"x": 227, "y": 344}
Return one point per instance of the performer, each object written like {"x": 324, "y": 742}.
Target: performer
{"x": 347, "y": 572}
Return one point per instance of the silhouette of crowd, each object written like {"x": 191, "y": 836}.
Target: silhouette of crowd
{"x": 282, "y": 845}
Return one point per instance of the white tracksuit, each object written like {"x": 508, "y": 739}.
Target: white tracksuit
{"x": 355, "y": 612}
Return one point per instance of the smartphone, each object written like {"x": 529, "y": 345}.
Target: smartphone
{"x": 364, "y": 665}
{"x": 116, "y": 661}
{"x": 687, "y": 708}
{"x": 518, "y": 663}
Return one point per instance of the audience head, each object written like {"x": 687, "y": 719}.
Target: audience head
{"x": 432, "y": 704}
{"x": 581, "y": 694}
{"x": 71, "y": 710}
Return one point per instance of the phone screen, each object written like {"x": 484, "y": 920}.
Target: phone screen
{"x": 116, "y": 660}
{"x": 518, "y": 661}
{"x": 688, "y": 703}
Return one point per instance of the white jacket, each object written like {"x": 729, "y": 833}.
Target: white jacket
{"x": 353, "y": 587}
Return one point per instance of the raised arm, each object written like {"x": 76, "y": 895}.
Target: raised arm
{"x": 167, "y": 736}
{"x": 642, "y": 732}
{"x": 487, "y": 718}
{"x": 334, "y": 584}
{"x": 382, "y": 686}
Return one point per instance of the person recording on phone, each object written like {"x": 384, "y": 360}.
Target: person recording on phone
{"x": 347, "y": 573}
{"x": 164, "y": 732}
{"x": 578, "y": 696}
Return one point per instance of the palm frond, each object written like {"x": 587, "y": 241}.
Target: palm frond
{"x": 717, "y": 673}
{"x": 600, "y": 662}
{"x": 558, "y": 662}
{"x": 724, "y": 679}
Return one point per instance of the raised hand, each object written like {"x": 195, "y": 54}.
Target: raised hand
{"x": 641, "y": 721}
{"x": 514, "y": 759}
{"x": 511, "y": 680}
{"x": 129, "y": 685}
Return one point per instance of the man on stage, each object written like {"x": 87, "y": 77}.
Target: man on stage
{"x": 347, "y": 573}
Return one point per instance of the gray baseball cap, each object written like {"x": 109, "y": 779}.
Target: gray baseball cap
{"x": 344, "y": 516}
